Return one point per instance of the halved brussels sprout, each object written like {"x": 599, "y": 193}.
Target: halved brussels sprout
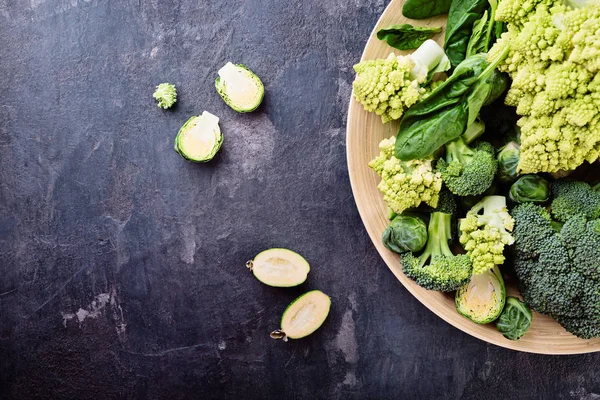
{"x": 515, "y": 320}
{"x": 279, "y": 268}
{"x": 239, "y": 87}
{"x": 200, "y": 138}
{"x": 303, "y": 316}
{"x": 482, "y": 299}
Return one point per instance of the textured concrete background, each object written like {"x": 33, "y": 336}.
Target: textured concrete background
{"x": 122, "y": 266}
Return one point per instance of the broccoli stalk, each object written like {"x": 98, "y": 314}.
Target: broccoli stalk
{"x": 468, "y": 171}
{"x": 485, "y": 235}
{"x": 437, "y": 268}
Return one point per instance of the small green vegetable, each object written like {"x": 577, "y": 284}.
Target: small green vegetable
{"x": 406, "y": 36}
{"x": 240, "y": 88}
{"x": 530, "y": 189}
{"x": 508, "y": 160}
{"x": 166, "y": 95}
{"x": 303, "y": 316}
{"x": 482, "y": 299}
{"x": 423, "y": 9}
{"x": 515, "y": 319}
{"x": 200, "y": 138}
{"x": 279, "y": 268}
{"x": 405, "y": 233}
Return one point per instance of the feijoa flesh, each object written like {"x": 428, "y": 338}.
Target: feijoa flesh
{"x": 303, "y": 316}
{"x": 279, "y": 267}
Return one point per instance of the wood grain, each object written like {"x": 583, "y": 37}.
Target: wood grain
{"x": 364, "y": 132}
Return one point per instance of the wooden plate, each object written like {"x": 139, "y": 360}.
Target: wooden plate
{"x": 364, "y": 132}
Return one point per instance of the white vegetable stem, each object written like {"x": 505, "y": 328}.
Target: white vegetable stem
{"x": 426, "y": 58}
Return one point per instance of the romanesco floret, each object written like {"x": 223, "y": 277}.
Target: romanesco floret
{"x": 553, "y": 60}
{"x": 484, "y": 236}
{"x": 389, "y": 86}
{"x": 383, "y": 86}
{"x": 405, "y": 184}
{"x": 166, "y": 95}
{"x": 437, "y": 268}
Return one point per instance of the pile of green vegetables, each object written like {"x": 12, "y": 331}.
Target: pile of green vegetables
{"x": 478, "y": 190}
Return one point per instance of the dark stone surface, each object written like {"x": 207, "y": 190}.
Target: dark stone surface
{"x": 122, "y": 266}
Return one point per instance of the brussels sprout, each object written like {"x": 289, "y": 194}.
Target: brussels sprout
{"x": 303, "y": 316}
{"x": 530, "y": 189}
{"x": 515, "y": 320}
{"x": 405, "y": 233}
{"x": 200, "y": 138}
{"x": 166, "y": 95}
{"x": 279, "y": 268}
{"x": 508, "y": 161}
{"x": 239, "y": 87}
{"x": 482, "y": 299}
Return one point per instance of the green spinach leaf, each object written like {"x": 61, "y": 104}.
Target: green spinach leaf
{"x": 450, "y": 108}
{"x": 461, "y": 17}
{"x": 478, "y": 40}
{"x": 406, "y": 36}
{"x": 422, "y": 9}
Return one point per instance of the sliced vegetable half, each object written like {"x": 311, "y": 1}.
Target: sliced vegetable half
{"x": 279, "y": 268}
{"x": 240, "y": 88}
{"x": 482, "y": 299}
{"x": 200, "y": 138}
{"x": 303, "y": 316}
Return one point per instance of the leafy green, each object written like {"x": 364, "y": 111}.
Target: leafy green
{"x": 515, "y": 319}
{"x": 477, "y": 42}
{"x": 423, "y": 9}
{"x": 405, "y": 233}
{"x": 406, "y": 36}
{"x": 450, "y": 109}
{"x": 463, "y": 14}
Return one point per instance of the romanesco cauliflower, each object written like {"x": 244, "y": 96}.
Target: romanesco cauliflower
{"x": 484, "y": 236}
{"x": 405, "y": 184}
{"x": 389, "y": 86}
{"x": 554, "y": 61}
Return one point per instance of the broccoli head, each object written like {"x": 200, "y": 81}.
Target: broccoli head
{"x": 558, "y": 271}
{"x": 405, "y": 184}
{"x": 485, "y": 235}
{"x": 468, "y": 171}
{"x": 574, "y": 197}
{"x": 437, "y": 268}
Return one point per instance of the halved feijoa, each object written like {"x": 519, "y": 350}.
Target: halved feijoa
{"x": 200, "y": 138}
{"x": 239, "y": 87}
{"x": 303, "y": 316}
{"x": 279, "y": 268}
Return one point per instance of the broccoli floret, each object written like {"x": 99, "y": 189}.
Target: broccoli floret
{"x": 484, "y": 236}
{"x": 166, "y": 95}
{"x": 558, "y": 271}
{"x": 437, "y": 268}
{"x": 572, "y": 198}
{"x": 405, "y": 184}
{"x": 468, "y": 171}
